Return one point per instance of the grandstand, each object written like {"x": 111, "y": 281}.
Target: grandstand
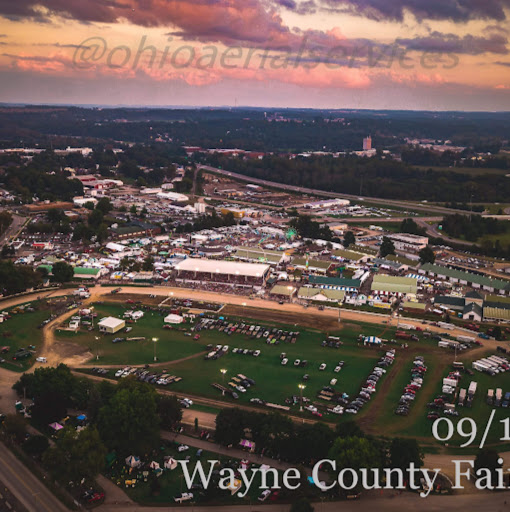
{"x": 195, "y": 270}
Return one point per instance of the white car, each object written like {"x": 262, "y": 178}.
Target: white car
{"x": 284, "y": 361}
{"x": 332, "y": 382}
{"x": 186, "y": 402}
{"x": 118, "y": 373}
{"x": 322, "y": 367}
{"x": 41, "y": 360}
{"x": 337, "y": 369}
{"x": 185, "y": 496}
{"x": 241, "y": 389}
{"x": 182, "y": 448}
{"x": 256, "y": 353}
{"x": 297, "y": 362}
{"x": 265, "y": 494}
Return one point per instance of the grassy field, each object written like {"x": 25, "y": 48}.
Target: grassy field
{"x": 20, "y": 331}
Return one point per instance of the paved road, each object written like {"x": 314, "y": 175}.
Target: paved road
{"x": 311, "y": 191}
{"x": 34, "y": 496}
{"x": 14, "y": 229}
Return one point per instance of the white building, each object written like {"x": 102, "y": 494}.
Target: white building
{"x": 408, "y": 243}
{"x": 111, "y": 325}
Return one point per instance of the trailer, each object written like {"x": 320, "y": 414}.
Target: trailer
{"x": 490, "y": 396}
{"x": 407, "y": 327}
{"x": 465, "y": 339}
{"x": 449, "y": 382}
{"x": 472, "y": 388}
{"x": 480, "y": 367}
{"x": 462, "y": 396}
{"x": 445, "y": 325}
{"x": 499, "y": 395}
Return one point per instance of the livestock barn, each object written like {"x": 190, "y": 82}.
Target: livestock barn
{"x": 195, "y": 270}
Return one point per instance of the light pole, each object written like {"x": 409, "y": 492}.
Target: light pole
{"x": 244, "y": 305}
{"x": 301, "y": 387}
{"x": 223, "y": 372}
{"x": 97, "y": 348}
{"x": 155, "y": 340}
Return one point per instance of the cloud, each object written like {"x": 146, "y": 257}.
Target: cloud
{"x": 456, "y": 10}
{"x": 451, "y": 43}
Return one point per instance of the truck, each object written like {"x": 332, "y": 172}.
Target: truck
{"x": 407, "y": 327}
{"x": 462, "y": 396}
{"x": 401, "y": 335}
{"x": 115, "y": 290}
{"x": 472, "y": 388}
{"x": 465, "y": 339}
{"x": 445, "y": 325}
{"x": 499, "y": 395}
{"x": 490, "y": 396}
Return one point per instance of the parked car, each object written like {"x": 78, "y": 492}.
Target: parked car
{"x": 185, "y": 496}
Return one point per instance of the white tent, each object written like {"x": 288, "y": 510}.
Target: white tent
{"x": 170, "y": 463}
{"x": 133, "y": 461}
{"x": 372, "y": 340}
{"x": 174, "y": 319}
{"x": 154, "y": 465}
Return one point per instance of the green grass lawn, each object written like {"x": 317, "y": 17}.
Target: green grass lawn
{"x": 171, "y": 344}
{"x": 20, "y": 331}
{"x": 274, "y": 382}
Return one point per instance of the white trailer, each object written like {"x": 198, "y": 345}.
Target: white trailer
{"x": 445, "y": 325}
{"x": 465, "y": 339}
{"x": 472, "y": 388}
{"x": 462, "y": 396}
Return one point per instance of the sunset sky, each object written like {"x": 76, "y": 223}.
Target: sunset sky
{"x": 405, "y": 54}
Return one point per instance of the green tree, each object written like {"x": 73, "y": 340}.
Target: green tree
{"x": 302, "y": 505}
{"x": 133, "y": 209}
{"x": 62, "y": 272}
{"x": 386, "y": 248}
{"x": 148, "y": 264}
{"x": 488, "y": 458}
{"x": 104, "y": 205}
{"x": 356, "y": 453}
{"x": 349, "y": 428}
{"x": 15, "y": 426}
{"x": 404, "y": 451}
{"x": 230, "y": 424}
{"x": 169, "y": 410}
{"x": 349, "y": 239}
{"x": 77, "y": 455}
{"x": 36, "y": 445}
{"x": 129, "y": 423}
{"x": 48, "y": 407}
{"x": 496, "y": 332}
{"x": 427, "y": 255}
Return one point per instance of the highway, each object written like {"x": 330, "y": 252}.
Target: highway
{"x": 17, "y": 224}
{"x": 29, "y": 490}
{"x": 426, "y": 207}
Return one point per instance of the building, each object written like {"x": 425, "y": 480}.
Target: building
{"x": 384, "y": 284}
{"x": 408, "y": 243}
{"x": 195, "y": 270}
{"x": 367, "y": 143}
{"x": 111, "y": 325}
{"x": 236, "y": 212}
{"x": 328, "y": 203}
{"x": 335, "y": 283}
{"x": 283, "y": 292}
{"x": 317, "y": 294}
{"x": 311, "y": 265}
{"x": 172, "y": 196}
{"x": 259, "y": 255}
{"x": 462, "y": 277}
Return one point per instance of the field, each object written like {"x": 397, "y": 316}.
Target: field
{"x": 21, "y": 331}
{"x": 181, "y": 355}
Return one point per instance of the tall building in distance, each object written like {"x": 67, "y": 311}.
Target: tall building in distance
{"x": 367, "y": 143}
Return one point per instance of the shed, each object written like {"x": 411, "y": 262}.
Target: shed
{"x": 111, "y": 325}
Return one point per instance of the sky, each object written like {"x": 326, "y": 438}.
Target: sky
{"x": 380, "y": 54}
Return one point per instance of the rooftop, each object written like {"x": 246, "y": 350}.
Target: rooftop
{"x": 222, "y": 267}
